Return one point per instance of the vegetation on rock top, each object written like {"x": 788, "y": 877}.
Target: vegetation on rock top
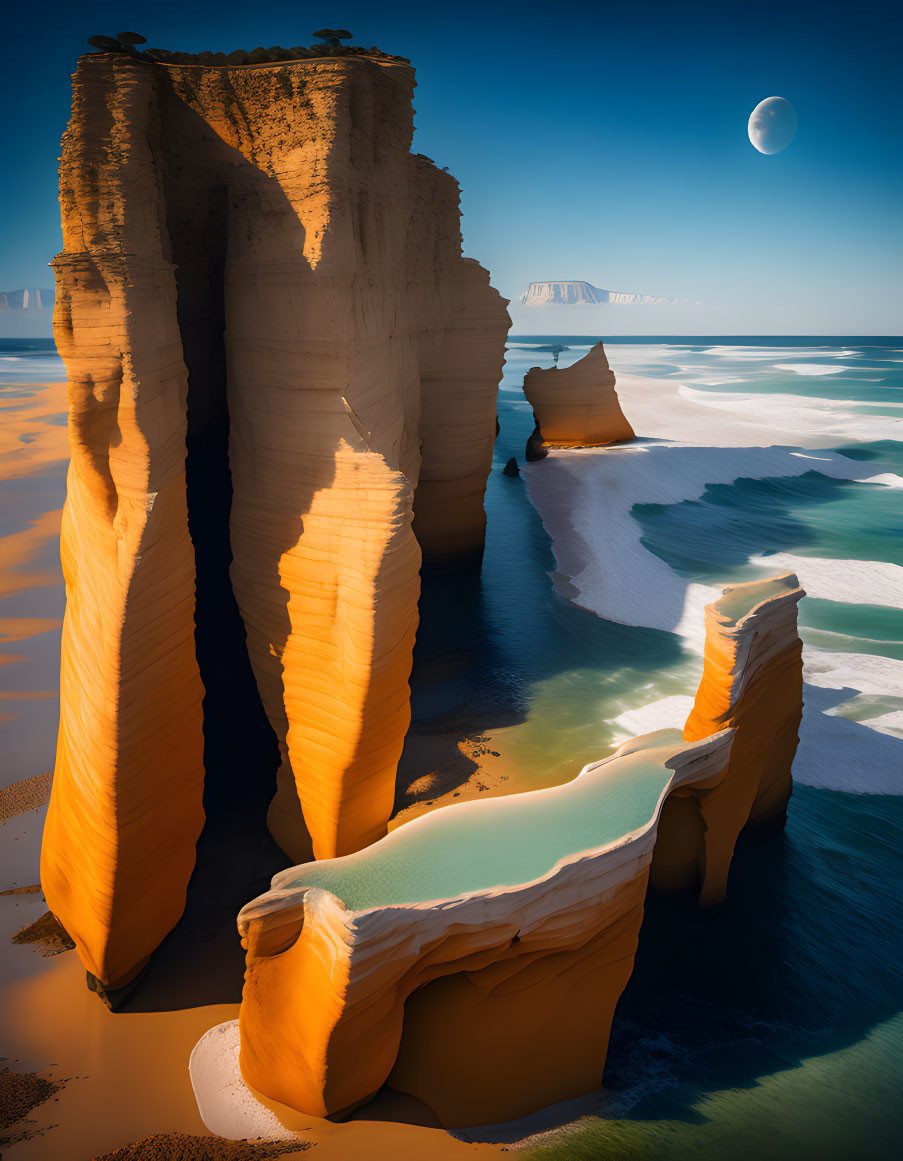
{"x": 126, "y": 43}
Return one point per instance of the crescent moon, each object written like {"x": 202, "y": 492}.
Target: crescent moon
{"x": 772, "y": 125}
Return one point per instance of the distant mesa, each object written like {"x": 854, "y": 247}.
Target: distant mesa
{"x": 575, "y": 293}
{"x": 30, "y": 299}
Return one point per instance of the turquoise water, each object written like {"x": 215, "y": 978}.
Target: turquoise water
{"x": 498, "y": 842}
{"x": 811, "y": 515}
{"x": 876, "y": 629}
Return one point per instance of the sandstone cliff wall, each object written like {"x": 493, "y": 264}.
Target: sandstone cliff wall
{"x": 575, "y": 406}
{"x": 256, "y": 268}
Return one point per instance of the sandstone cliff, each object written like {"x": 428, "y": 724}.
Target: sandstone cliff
{"x": 575, "y": 406}
{"x": 257, "y": 269}
{"x": 474, "y": 957}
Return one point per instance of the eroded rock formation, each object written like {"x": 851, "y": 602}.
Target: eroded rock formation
{"x": 575, "y": 406}
{"x": 255, "y": 267}
{"x": 752, "y": 682}
{"x": 516, "y": 917}
{"x": 474, "y": 957}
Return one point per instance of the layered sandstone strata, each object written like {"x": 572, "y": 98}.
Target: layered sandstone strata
{"x": 255, "y": 267}
{"x": 752, "y": 682}
{"x": 474, "y": 957}
{"x": 575, "y": 406}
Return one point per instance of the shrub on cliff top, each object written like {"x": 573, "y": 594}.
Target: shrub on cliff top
{"x": 332, "y": 36}
{"x": 330, "y": 45}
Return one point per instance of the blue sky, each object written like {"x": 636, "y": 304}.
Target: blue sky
{"x": 590, "y": 142}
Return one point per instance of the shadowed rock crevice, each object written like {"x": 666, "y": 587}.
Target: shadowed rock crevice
{"x": 238, "y": 739}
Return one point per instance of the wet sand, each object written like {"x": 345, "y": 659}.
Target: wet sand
{"x": 450, "y": 765}
{"x": 34, "y": 452}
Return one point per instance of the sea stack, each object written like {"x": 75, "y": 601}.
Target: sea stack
{"x": 575, "y": 406}
{"x": 752, "y": 682}
{"x": 282, "y": 384}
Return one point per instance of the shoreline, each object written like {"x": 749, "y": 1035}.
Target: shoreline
{"x": 585, "y": 497}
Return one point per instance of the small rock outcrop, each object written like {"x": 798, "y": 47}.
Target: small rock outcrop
{"x": 280, "y": 370}
{"x": 474, "y": 957}
{"x": 752, "y": 683}
{"x": 575, "y": 406}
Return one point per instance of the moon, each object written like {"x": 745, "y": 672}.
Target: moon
{"x": 772, "y": 125}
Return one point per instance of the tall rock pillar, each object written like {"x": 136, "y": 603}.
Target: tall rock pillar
{"x": 256, "y": 272}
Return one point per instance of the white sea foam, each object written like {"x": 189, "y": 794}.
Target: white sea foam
{"x": 668, "y": 713}
{"x": 585, "y": 499}
{"x": 887, "y": 479}
{"x": 857, "y": 582}
{"x": 765, "y": 353}
{"x": 861, "y": 673}
{"x": 796, "y": 419}
{"x": 709, "y": 382}
{"x": 835, "y": 753}
{"x": 811, "y": 368}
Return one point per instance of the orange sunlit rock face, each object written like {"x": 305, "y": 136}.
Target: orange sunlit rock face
{"x": 752, "y": 682}
{"x": 492, "y": 1003}
{"x": 255, "y": 267}
{"x": 575, "y": 406}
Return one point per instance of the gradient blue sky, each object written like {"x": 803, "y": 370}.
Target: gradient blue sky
{"x": 590, "y": 141}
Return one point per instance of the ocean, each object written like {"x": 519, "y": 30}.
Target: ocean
{"x": 773, "y": 1026}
